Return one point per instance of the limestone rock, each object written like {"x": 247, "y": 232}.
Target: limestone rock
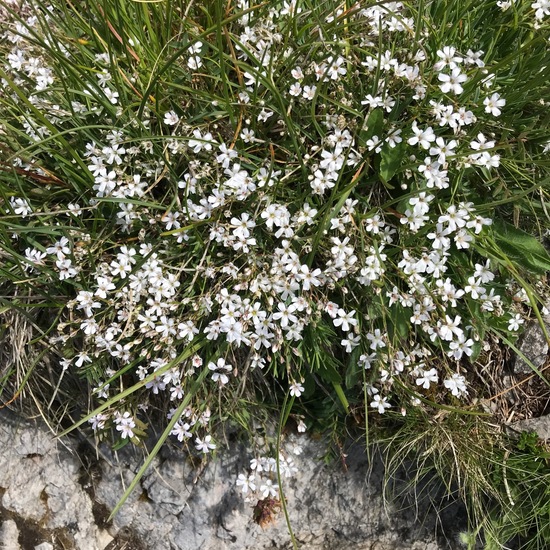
{"x": 539, "y": 425}
{"x": 329, "y": 507}
{"x": 40, "y": 481}
{"x": 534, "y": 346}
{"x": 184, "y": 504}
{"x": 9, "y": 535}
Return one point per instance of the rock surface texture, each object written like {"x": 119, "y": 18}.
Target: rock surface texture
{"x": 534, "y": 347}
{"x": 56, "y": 492}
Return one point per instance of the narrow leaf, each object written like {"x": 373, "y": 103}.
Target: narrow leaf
{"x": 391, "y": 158}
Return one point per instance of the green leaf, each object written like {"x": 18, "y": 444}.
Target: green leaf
{"x": 524, "y": 250}
{"x": 373, "y": 126}
{"x": 391, "y": 158}
{"x": 341, "y": 396}
{"x": 399, "y": 322}
{"x": 309, "y": 386}
{"x": 476, "y": 350}
{"x": 353, "y": 370}
{"x": 327, "y": 371}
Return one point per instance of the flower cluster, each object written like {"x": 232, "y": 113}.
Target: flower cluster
{"x": 260, "y": 481}
{"x": 342, "y": 220}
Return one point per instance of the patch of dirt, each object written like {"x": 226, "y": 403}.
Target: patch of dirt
{"x": 126, "y": 540}
{"x": 33, "y": 533}
{"x": 510, "y": 397}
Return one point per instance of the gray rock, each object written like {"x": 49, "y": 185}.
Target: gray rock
{"x": 165, "y": 486}
{"x": 534, "y": 346}
{"x": 184, "y": 504}
{"x": 9, "y": 535}
{"x": 328, "y": 507}
{"x": 539, "y": 425}
{"x": 40, "y": 480}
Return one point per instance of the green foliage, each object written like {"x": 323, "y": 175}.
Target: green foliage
{"x": 524, "y": 250}
{"x": 217, "y": 213}
{"x": 391, "y": 160}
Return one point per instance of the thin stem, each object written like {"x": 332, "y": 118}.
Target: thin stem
{"x": 282, "y": 421}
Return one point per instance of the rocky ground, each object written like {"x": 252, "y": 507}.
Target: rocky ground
{"x": 58, "y": 493}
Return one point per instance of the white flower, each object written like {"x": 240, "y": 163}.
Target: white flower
{"x": 74, "y": 209}
{"x": 460, "y": 347}
{"x": 308, "y": 277}
{"x": 227, "y": 154}
{"x": 505, "y": 4}
{"x": 422, "y": 137}
{"x": 247, "y": 483}
{"x": 426, "y": 377}
{"x": 204, "y": 445}
{"x": 474, "y": 58}
{"x": 187, "y": 330}
{"x": 242, "y": 225}
{"x": 452, "y": 82}
{"x": 332, "y": 160}
{"x": 296, "y": 389}
{"x": 493, "y": 103}
{"x": 98, "y": 421}
{"x": 82, "y": 358}
{"x": 289, "y": 8}
{"x": 542, "y": 8}
{"x": 515, "y": 322}
{"x": 285, "y": 314}
{"x": 86, "y": 302}
{"x": 218, "y": 375}
{"x": 450, "y": 328}
{"x": 457, "y": 384}
{"x": 486, "y": 160}
{"x": 66, "y": 270}
{"x": 345, "y": 320}
{"x": 394, "y": 137}
{"x": 374, "y": 144}
{"x": 264, "y": 115}
{"x": 351, "y": 342}
{"x": 442, "y": 149}
{"x": 194, "y": 62}
{"x": 335, "y": 69}
{"x": 35, "y": 256}
{"x": 448, "y": 57}
{"x": 474, "y": 287}
{"x": 295, "y": 89}
{"x": 124, "y": 424}
{"x": 201, "y": 142}
{"x": 297, "y": 73}
{"x": 111, "y": 95}
{"x": 376, "y": 339}
{"x": 171, "y": 118}
{"x": 120, "y": 268}
{"x": 247, "y": 135}
{"x": 309, "y": 92}
{"x": 462, "y": 239}
{"x": 181, "y": 431}
{"x": 483, "y": 272}
{"x": 380, "y": 403}
{"x": 268, "y": 489}
{"x": 20, "y": 207}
